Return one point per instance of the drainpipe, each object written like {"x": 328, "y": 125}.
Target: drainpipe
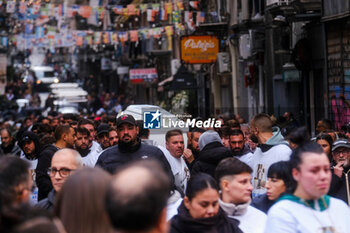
{"x": 234, "y": 56}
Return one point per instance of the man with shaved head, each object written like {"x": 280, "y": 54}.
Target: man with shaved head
{"x": 63, "y": 163}
{"x": 272, "y": 148}
{"x": 137, "y": 197}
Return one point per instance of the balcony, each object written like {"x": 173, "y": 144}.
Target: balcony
{"x": 335, "y": 9}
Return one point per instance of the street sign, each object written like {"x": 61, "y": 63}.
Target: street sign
{"x": 199, "y": 49}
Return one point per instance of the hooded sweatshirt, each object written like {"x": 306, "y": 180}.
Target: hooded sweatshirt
{"x": 274, "y": 150}
{"x": 212, "y": 151}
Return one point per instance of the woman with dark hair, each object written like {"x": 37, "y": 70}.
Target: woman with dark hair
{"x": 325, "y": 141}
{"x": 80, "y": 204}
{"x": 278, "y": 181}
{"x": 308, "y": 209}
{"x": 200, "y": 211}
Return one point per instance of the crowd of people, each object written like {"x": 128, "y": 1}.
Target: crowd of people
{"x": 68, "y": 173}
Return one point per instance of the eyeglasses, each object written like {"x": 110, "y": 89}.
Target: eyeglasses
{"x": 63, "y": 171}
{"x": 338, "y": 152}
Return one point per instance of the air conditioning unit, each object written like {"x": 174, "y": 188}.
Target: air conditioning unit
{"x": 223, "y": 61}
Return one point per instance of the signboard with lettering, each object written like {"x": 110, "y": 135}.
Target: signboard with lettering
{"x": 143, "y": 75}
{"x": 199, "y": 49}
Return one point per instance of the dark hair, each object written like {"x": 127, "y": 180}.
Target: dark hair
{"x": 224, "y": 131}
{"x": 296, "y": 157}
{"x": 172, "y": 133}
{"x": 198, "y": 183}
{"x": 236, "y": 132}
{"x": 197, "y": 130}
{"x": 13, "y": 172}
{"x": 138, "y": 208}
{"x": 299, "y": 136}
{"x": 143, "y": 133}
{"x": 233, "y": 124}
{"x": 327, "y": 137}
{"x": 82, "y": 131}
{"x": 281, "y": 170}
{"x": 86, "y": 122}
{"x": 327, "y": 123}
{"x": 60, "y": 130}
{"x": 263, "y": 122}
{"x": 229, "y": 167}
{"x": 80, "y": 203}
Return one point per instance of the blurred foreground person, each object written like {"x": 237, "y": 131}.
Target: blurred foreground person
{"x": 80, "y": 204}
{"x": 278, "y": 180}
{"x": 15, "y": 182}
{"x": 137, "y": 197}
{"x": 309, "y": 209}
{"x": 200, "y": 211}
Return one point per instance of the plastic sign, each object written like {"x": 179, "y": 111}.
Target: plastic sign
{"x": 143, "y": 75}
{"x": 199, "y": 49}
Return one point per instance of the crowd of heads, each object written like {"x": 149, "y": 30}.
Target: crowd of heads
{"x": 136, "y": 196}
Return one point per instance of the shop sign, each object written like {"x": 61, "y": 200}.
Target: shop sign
{"x": 199, "y": 49}
{"x": 143, "y": 75}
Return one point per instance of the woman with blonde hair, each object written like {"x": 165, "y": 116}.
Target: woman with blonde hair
{"x": 80, "y": 204}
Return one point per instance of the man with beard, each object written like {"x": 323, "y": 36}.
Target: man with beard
{"x": 8, "y": 144}
{"x": 340, "y": 171}
{"x": 130, "y": 148}
{"x": 102, "y": 135}
{"x": 113, "y": 136}
{"x": 88, "y": 153}
{"x": 29, "y": 143}
{"x": 65, "y": 138}
{"x": 238, "y": 146}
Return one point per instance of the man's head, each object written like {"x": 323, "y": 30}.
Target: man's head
{"x": 137, "y": 197}
{"x": 63, "y": 162}
{"x": 89, "y": 125}
{"x": 323, "y": 125}
{"x": 113, "y": 136}
{"x": 15, "y": 181}
{"x": 208, "y": 137}
{"x": 127, "y": 129}
{"x": 341, "y": 152}
{"x": 261, "y": 123}
{"x": 65, "y": 136}
{"x": 195, "y": 134}
{"x": 234, "y": 179}
{"x": 6, "y": 138}
{"x": 102, "y": 135}
{"x": 82, "y": 139}
{"x": 237, "y": 141}
{"x": 29, "y": 143}
{"x": 174, "y": 142}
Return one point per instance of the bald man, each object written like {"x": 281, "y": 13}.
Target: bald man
{"x": 63, "y": 163}
{"x": 137, "y": 198}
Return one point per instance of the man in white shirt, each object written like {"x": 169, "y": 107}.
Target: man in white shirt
{"x": 175, "y": 147}
{"x": 272, "y": 148}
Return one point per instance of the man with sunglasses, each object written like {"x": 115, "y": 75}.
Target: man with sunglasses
{"x": 63, "y": 163}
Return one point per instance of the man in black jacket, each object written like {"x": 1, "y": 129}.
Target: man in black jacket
{"x": 340, "y": 173}
{"x": 65, "y": 138}
{"x": 212, "y": 151}
{"x": 130, "y": 148}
